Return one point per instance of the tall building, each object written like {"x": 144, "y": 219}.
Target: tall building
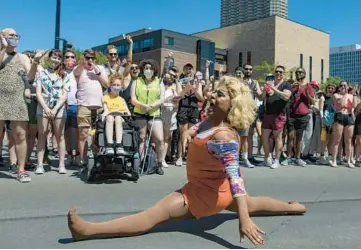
{"x": 345, "y": 62}
{"x": 239, "y": 11}
{"x": 277, "y": 41}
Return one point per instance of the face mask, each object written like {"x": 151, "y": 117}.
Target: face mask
{"x": 148, "y": 73}
{"x": 13, "y": 42}
{"x": 115, "y": 89}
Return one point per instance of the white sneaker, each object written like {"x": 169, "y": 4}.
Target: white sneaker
{"x": 62, "y": 170}
{"x": 268, "y": 162}
{"x": 164, "y": 165}
{"x": 179, "y": 162}
{"x": 39, "y": 169}
{"x": 275, "y": 165}
{"x": 248, "y": 164}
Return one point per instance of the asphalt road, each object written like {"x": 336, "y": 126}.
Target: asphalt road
{"x": 33, "y": 215}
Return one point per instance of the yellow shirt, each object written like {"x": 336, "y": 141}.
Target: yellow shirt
{"x": 115, "y": 104}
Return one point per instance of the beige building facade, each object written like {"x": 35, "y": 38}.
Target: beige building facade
{"x": 277, "y": 41}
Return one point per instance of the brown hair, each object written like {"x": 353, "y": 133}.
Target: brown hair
{"x": 59, "y": 70}
{"x": 109, "y": 47}
{"x": 113, "y": 78}
{"x": 89, "y": 52}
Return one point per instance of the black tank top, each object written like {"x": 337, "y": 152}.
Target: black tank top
{"x": 126, "y": 95}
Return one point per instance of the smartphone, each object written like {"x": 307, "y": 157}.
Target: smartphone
{"x": 270, "y": 78}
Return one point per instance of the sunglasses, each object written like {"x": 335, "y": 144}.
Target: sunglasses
{"x": 90, "y": 57}
{"x": 67, "y": 57}
{"x": 278, "y": 72}
{"x": 134, "y": 68}
{"x": 174, "y": 76}
{"x": 248, "y": 69}
{"x": 219, "y": 93}
{"x": 113, "y": 54}
{"x": 343, "y": 85}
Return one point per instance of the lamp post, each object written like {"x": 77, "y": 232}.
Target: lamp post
{"x": 57, "y": 24}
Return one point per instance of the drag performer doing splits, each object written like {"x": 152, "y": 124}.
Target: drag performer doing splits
{"x": 214, "y": 180}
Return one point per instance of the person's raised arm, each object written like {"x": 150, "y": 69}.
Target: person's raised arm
{"x": 4, "y": 46}
{"x": 129, "y": 57}
{"x": 34, "y": 66}
{"x": 101, "y": 75}
{"x": 167, "y": 63}
{"x": 225, "y": 146}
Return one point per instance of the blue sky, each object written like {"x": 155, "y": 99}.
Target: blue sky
{"x": 87, "y": 23}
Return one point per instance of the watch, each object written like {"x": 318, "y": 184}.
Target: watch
{"x": 99, "y": 73}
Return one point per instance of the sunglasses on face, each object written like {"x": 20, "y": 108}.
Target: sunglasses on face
{"x": 90, "y": 57}
{"x": 174, "y": 76}
{"x": 343, "y": 86}
{"x": 248, "y": 69}
{"x": 67, "y": 57}
{"x": 219, "y": 93}
{"x": 113, "y": 54}
{"x": 278, "y": 72}
{"x": 134, "y": 68}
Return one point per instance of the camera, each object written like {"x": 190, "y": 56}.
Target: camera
{"x": 270, "y": 78}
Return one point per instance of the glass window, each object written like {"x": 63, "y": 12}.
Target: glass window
{"x": 301, "y": 60}
{"x": 169, "y": 40}
{"x": 148, "y": 43}
{"x": 240, "y": 59}
{"x": 249, "y": 57}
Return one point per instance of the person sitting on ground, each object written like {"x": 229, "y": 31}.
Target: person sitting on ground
{"x": 114, "y": 107}
{"x": 213, "y": 171}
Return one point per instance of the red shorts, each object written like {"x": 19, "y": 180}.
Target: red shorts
{"x": 274, "y": 122}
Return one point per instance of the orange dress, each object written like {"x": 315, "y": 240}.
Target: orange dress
{"x": 208, "y": 189}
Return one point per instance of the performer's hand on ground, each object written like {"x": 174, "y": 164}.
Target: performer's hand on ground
{"x": 249, "y": 229}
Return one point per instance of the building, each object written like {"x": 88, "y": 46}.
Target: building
{"x": 275, "y": 40}
{"x": 239, "y": 11}
{"x": 157, "y": 45}
{"x": 345, "y": 62}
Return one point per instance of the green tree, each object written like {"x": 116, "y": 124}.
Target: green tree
{"x": 331, "y": 80}
{"x": 267, "y": 68}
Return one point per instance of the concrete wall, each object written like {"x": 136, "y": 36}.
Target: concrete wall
{"x": 257, "y": 36}
{"x": 293, "y": 39}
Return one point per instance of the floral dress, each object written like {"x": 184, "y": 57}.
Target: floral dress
{"x": 51, "y": 91}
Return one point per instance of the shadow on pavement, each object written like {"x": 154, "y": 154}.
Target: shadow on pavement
{"x": 194, "y": 227}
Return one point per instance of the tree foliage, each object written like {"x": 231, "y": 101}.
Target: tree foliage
{"x": 100, "y": 58}
{"x": 267, "y": 68}
{"x": 336, "y": 81}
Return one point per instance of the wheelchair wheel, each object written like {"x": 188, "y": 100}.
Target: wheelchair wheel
{"x": 135, "y": 169}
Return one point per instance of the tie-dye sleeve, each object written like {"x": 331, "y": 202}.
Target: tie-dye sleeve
{"x": 227, "y": 153}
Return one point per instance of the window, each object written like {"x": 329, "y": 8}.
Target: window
{"x": 310, "y": 68}
{"x": 249, "y": 57}
{"x": 321, "y": 70}
{"x": 147, "y": 43}
{"x": 240, "y": 59}
{"x": 169, "y": 40}
{"x": 301, "y": 60}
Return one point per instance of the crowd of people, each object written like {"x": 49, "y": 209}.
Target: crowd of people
{"x": 49, "y": 96}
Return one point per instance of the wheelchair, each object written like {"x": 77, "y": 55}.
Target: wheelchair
{"x": 100, "y": 164}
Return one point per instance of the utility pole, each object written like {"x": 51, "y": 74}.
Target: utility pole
{"x": 57, "y": 24}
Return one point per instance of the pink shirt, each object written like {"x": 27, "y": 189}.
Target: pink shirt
{"x": 90, "y": 91}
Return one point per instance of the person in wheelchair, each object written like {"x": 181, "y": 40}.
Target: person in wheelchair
{"x": 114, "y": 107}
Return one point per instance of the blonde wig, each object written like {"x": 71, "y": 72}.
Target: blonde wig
{"x": 243, "y": 107}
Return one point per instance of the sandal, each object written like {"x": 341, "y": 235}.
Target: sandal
{"x": 24, "y": 177}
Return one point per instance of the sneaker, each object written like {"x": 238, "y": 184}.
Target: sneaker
{"x": 23, "y": 177}
{"x": 109, "y": 151}
{"x": 120, "y": 151}
{"x": 268, "y": 162}
{"x": 300, "y": 162}
{"x": 324, "y": 160}
{"x": 275, "y": 165}
{"x": 164, "y": 164}
{"x": 179, "y": 162}
{"x": 13, "y": 168}
{"x": 39, "y": 169}
{"x": 350, "y": 165}
{"x": 248, "y": 164}
{"x": 1, "y": 162}
{"x": 62, "y": 170}
{"x": 286, "y": 162}
{"x": 254, "y": 162}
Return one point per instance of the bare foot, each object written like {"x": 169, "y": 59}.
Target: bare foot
{"x": 298, "y": 208}
{"x": 78, "y": 227}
